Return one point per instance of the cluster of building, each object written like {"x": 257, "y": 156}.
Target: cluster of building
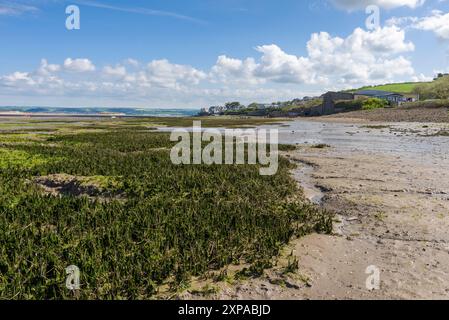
{"x": 325, "y": 105}
{"x": 213, "y": 110}
{"x": 392, "y": 97}
{"x": 235, "y": 107}
{"x": 330, "y": 98}
{"x": 217, "y": 110}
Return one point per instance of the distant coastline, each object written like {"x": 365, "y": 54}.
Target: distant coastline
{"x": 14, "y": 111}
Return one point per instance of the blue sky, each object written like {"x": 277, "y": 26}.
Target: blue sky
{"x": 197, "y": 53}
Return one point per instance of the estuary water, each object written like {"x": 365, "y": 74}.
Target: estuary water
{"x": 135, "y": 112}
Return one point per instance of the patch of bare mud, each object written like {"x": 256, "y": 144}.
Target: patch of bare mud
{"x": 77, "y": 186}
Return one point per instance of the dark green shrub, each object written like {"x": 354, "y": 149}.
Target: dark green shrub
{"x": 374, "y": 103}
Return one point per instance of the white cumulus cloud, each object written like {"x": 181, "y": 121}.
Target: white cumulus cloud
{"x": 78, "y": 65}
{"x": 438, "y": 23}
{"x": 278, "y": 66}
{"x": 47, "y": 68}
{"x": 117, "y": 71}
{"x": 362, "y": 57}
{"x": 165, "y": 74}
{"x": 229, "y": 70}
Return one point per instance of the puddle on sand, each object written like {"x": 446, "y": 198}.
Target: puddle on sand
{"x": 304, "y": 177}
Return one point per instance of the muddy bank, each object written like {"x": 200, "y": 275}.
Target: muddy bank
{"x": 435, "y": 115}
{"x": 393, "y": 214}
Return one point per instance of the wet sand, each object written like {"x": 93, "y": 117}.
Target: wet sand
{"x": 393, "y": 213}
{"x": 404, "y": 114}
{"x": 389, "y": 187}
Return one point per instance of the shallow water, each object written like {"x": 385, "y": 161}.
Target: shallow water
{"x": 401, "y": 139}
{"x": 303, "y": 175}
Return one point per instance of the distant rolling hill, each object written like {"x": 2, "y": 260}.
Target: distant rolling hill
{"x": 406, "y": 87}
{"x": 438, "y": 89}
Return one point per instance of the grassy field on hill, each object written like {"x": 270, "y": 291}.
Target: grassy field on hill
{"x": 407, "y": 87}
{"x": 106, "y": 198}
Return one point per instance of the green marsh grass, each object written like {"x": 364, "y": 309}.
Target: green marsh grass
{"x": 174, "y": 223}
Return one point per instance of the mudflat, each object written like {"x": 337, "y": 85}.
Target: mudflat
{"x": 434, "y": 115}
{"x": 389, "y": 187}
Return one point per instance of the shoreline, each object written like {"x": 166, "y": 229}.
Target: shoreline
{"x": 390, "y": 115}
{"x": 389, "y": 214}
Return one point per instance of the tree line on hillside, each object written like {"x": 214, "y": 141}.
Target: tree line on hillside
{"x": 438, "y": 89}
